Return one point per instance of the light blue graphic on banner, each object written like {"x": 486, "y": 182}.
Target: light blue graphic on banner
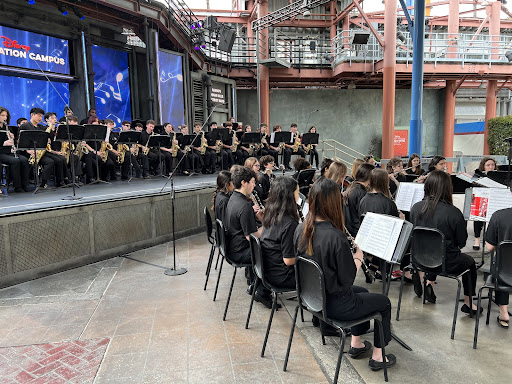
{"x": 33, "y": 51}
{"x": 111, "y": 84}
{"x": 20, "y": 95}
{"x": 172, "y": 104}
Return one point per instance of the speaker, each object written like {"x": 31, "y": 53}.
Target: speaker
{"x": 227, "y": 39}
{"x": 312, "y": 45}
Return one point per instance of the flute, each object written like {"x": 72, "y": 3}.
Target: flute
{"x": 403, "y": 170}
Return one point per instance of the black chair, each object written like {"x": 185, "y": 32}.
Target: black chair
{"x": 500, "y": 279}
{"x": 222, "y": 244}
{"x": 305, "y": 179}
{"x": 4, "y": 175}
{"x": 312, "y": 297}
{"x": 259, "y": 270}
{"x": 211, "y": 239}
{"x": 428, "y": 254}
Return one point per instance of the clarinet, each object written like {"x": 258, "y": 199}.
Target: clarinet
{"x": 301, "y": 216}
{"x": 256, "y": 200}
{"x": 10, "y": 136}
{"x": 353, "y": 249}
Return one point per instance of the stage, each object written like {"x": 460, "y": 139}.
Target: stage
{"x": 20, "y": 203}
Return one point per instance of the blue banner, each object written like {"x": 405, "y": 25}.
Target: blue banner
{"x": 20, "y": 95}
{"x": 172, "y": 105}
{"x": 33, "y": 51}
{"x": 111, "y": 84}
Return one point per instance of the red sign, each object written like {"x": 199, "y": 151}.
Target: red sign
{"x": 401, "y": 143}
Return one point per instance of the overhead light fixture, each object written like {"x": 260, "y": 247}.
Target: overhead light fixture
{"x": 307, "y": 12}
{"x": 401, "y": 36}
{"x": 508, "y": 55}
{"x": 62, "y": 9}
{"x": 31, "y": 2}
{"x": 352, "y": 85}
{"x": 78, "y": 14}
{"x": 481, "y": 86}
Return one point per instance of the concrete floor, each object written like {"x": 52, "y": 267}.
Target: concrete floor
{"x": 168, "y": 330}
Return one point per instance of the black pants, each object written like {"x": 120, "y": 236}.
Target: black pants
{"x": 313, "y": 155}
{"x": 199, "y": 161}
{"x": 19, "y": 169}
{"x": 144, "y": 161}
{"x": 357, "y": 303}
{"x": 60, "y": 166}
{"x": 477, "y": 227}
{"x": 230, "y": 157}
{"x": 462, "y": 263}
{"x": 90, "y": 160}
{"x": 125, "y": 167}
{"x": 47, "y": 171}
{"x": 154, "y": 161}
{"x": 245, "y": 258}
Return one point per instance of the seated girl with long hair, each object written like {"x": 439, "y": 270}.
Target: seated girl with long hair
{"x": 337, "y": 172}
{"x": 222, "y": 193}
{"x": 414, "y": 165}
{"x": 486, "y": 164}
{"x": 322, "y": 238}
{"x": 436, "y": 210}
{"x": 353, "y": 195}
{"x": 279, "y": 223}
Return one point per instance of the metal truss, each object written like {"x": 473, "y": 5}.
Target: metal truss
{"x": 286, "y": 13}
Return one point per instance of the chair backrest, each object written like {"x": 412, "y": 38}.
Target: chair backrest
{"x": 427, "y": 247}
{"x": 220, "y": 236}
{"x": 209, "y": 225}
{"x": 306, "y": 177}
{"x": 256, "y": 257}
{"x": 503, "y": 271}
{"x": 310, "y": 285}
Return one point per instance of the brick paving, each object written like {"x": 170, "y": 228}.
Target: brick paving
{"x": 66, "y": 362}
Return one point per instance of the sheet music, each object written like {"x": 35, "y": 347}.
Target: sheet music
{"x": 479, "y": 204}
{"x": 489, "y": 183}
{"x": 469, "y": 177}
{"x": 408, "y": 195}
{"x": 378, "y": 235}
{"x": 498, "y": 199}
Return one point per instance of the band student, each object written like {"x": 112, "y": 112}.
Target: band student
{"x": 295, "y": 148}
{"x": 222, "y": 194}
{"x": 174, "y": 147}
{"x": 154, "y": 162}
{"x": 353, "y": 195}
{"x": 18, "y": 164}
{"x": 217, "y": 148}
{"x": 322, "y": 238}
{"x": 486, "y": 164}
{"x": 205, "y": 159}
{"x": 129, "y": 156}
{"x": 266, "y": 149}
{"x": 313, "y": 153}
{"x": 231, "y": 146}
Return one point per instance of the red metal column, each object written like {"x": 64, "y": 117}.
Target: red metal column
{"x": 493, "y": 10}
{"x": 449, "y": 119}
{"x": 388, "y": 92}
{"x": 333, "y": 16}
{"x": 490, "y": 110}
{"x": 264, "y": 71}
{"x": 453, "y": 28}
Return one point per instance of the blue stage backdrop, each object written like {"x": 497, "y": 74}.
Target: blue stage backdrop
{"x": 20, "y": 95}
{"x": 172, "y": 107}
{"x": 111, "y": 84}
{"x": 34, "y": 51}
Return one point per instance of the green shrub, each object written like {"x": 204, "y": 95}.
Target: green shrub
{"x": 499, "y": 128}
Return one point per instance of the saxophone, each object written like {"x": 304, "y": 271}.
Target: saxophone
{"x": 81, "y": 150}
{"x": 103, "y": 152}
{"x": 39, "y": 154}
{"x": 296, "y": 143}
{"x": 174, "y": 147}
{"x": 308, "y": 148}
{"x": 146, "y": 151}
{"x": 280, "y": 148}
{"x": 121, "y": 152}
{"x": 251, "y": 149}
{"x": 235, "y": 142}
{"x": 218, "y": 146}
{"x": 204, "y": 144}
{"x": 66, "y": 150}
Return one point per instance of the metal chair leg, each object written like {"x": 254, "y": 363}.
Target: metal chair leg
{"x": 290, "y": 339}
{"x": 381, "y": 332}
{"x": 209, "y": 266}
{"x": 456, "y": 308}
{"x": 340, "y": 356}
{"x": 274, "y": 305}
{"x": 229, "y": 295}
{"x": 217, "y": 262}
{"x": 475, "y": 337}
{"x": 489, "y": 306}
{"x": 252, "y": 302}
{"x": 402, "y": 280}
{"x": 218, "y": 279}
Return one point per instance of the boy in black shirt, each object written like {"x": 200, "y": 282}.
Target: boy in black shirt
{"x": 240, "y": 223}
{"x": 500, "y": 229}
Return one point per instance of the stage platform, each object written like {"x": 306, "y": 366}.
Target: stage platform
{"x": 19, "y": 203}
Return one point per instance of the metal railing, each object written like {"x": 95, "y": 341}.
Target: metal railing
{"x": 337, "y": 151}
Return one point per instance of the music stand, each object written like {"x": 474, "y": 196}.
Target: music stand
{"x": 95, "y": 132}
{"x": 159, "y": 141}
{"x": 33, "y": 140}
{"x": 282, "y": 137}
{"x": 250, "y": 138}
{"x": 221, "y": 134}
{"x": 309, "y": 138}
{"x": 129, "y": 138}
{"x": 138, "y": 121}
{"x": 72, "y": 133}
{"x": 192, "y": 141}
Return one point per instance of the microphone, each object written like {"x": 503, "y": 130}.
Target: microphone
{"x": 309, "y": 116}
{"x": 282, "y": 168}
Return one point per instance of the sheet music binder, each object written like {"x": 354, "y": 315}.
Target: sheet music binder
{"x": 480, "y": 203}
{"x": 386, "y": 237}
{"x": 409, "y": 194}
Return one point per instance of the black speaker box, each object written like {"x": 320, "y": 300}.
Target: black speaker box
{"x": 227, "y": 39}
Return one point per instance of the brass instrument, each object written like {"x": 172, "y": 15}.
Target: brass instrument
{"x": 103, "y": 152}
{"x": 308, "y": 148}
{"x": 146, "y": 151}
{"x": 174, "y": 147}
{"x": 66, "y": 150}
{"x": 136, "y": 152}
{"x": 81, "y": 150}
{"x": 296, "y": 143}
{"x": 235, "y": 142}
{"x": 218, "y": 146}
{"x": 256, "y": 200}
{"x": 280, "y": 148}
{"x": 39, "y": 154}
{"x": 204, "y": 144}
{"x": 251, "y": 149}
{"x": 121, "y": 152}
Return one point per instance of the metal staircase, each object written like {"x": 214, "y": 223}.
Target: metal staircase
{"x": 337, "y": 151}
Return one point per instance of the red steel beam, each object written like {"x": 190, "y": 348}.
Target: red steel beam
{"x": 370, "y": 25}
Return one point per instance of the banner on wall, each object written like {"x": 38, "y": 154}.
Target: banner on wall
{"x": 401, "y": 142}
{"x": 30, "y": 50}
{"x": 171, "y": 95}
{"x": 111, "y": 84}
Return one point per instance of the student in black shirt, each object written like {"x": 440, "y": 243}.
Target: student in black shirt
{"x": 414, "y": 165}
{"x": 267, "y": 164}
{"x": 322, "y": 238}
{"x": 254, "y": 164}
{"x": 352, "y": 197}
{"x": 221, "y": 195}
{"x": 486, "y": 164}
{"x": 240, "y": 222}
{"x": 396, "y": 172}
{"x": 279, "y": 223}
{"x": 500, "y": 229}
{"x": 436, "y": 210}
{"x": 337, "y": 172}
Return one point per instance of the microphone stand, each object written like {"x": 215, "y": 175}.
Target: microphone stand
{"x": 72, "y": 160}
{"x": 307, "y": 123}
{"x": 179, "y": 271}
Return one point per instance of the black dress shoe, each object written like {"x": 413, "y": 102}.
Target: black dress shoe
{"x": 266, "y": 301}
{"x": 418, "y": 288}
{"x": 476, "y": 247}
{"x": 378, "y": 365}
{"x": 430, "y": 296}
{"x": 328, "y": 330}
{"x": 465, "y": 309}
{"x": 250, "y": 288}
{"x": 315, "y": 321}
{"x": 356, "y": 352}
{"x": 18, "y": 190}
